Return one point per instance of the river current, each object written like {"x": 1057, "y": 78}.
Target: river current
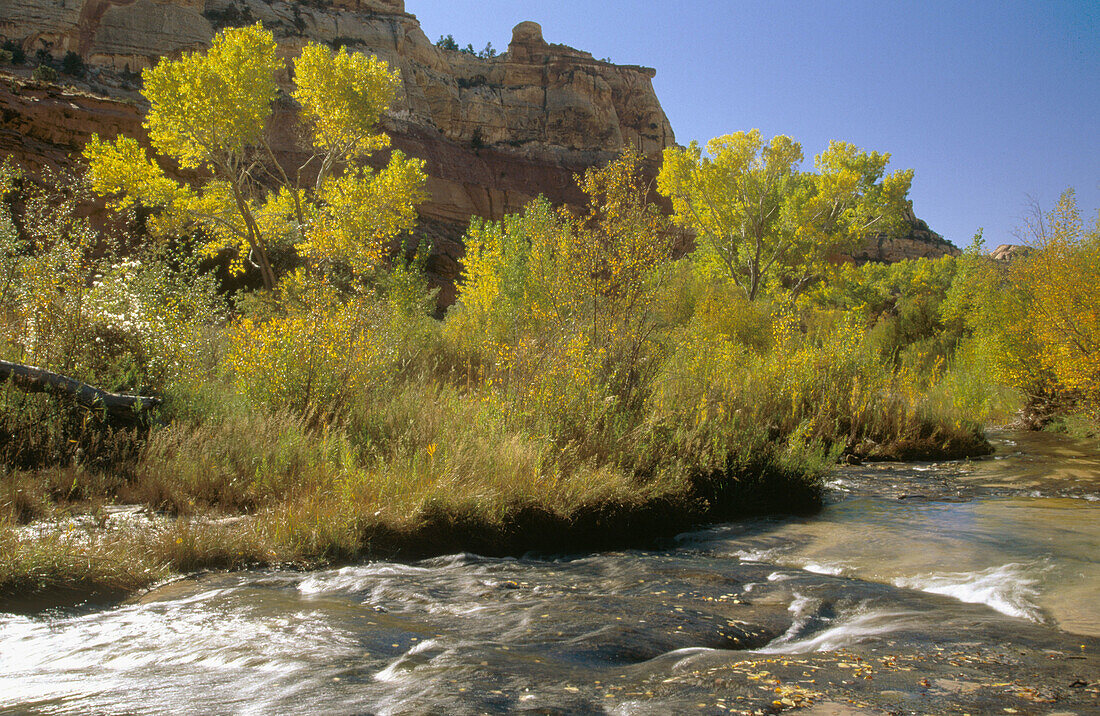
{"x": 992, "y": 557}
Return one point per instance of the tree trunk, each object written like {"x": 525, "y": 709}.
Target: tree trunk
{"x": 36, "y": 380}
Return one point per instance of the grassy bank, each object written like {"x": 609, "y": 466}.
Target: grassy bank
{"x": 588, "y": 390}
{"x": 69, "y": 559}
{"x": 438, "y": 474}
{"x": 445, "y": 457}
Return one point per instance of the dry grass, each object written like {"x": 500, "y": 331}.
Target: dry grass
{"x": 434, "y": 472}
{"x": 423, "y": 466}
{"x": 77, "y": 563}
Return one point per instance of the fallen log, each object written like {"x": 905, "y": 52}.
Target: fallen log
{"x": 38, "y": 380}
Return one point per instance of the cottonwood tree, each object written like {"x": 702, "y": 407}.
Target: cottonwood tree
{"x": 550, "y": 270}
{"x": 1064, "y": 278}
{"x": 756, "y": 214}
{"x": 562, "y": 305}
{"x": 1038, "y": 313}
{"x": 210, "y": 112}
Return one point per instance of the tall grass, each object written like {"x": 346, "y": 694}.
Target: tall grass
{"x": 587, "y": 390}
{"x": 550, "y": 439}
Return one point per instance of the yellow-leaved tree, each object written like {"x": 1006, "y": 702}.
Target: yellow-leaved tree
{"x": 210, "y": 112}
{"x": 551, "y": 270}
{"x": 756, "y": 214}
{"x": 1038, "y": 312}
{"x": 560, "y": 307}
{"x": 315, "y": 336}
{"x": 1064, "y": 277}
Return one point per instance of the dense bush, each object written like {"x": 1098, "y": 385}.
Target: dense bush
{"x": 73, "y": 64}
{"x": 1037, "y": 314}
{"x": 44, "y": 73}
{"x": 14, "y": 52}
{"x": 585, "y": 379}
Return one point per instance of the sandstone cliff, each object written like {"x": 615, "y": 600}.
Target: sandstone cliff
{"x": 918, "y": 242}
{"x": 495, "y": 131}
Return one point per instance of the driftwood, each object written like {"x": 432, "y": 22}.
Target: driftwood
{"x": 37, "y": 380}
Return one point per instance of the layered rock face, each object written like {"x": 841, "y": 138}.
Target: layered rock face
{"x": 1009, "y": 252}
{"x": 918, "y": 242}
{"x": 495, "y": 132}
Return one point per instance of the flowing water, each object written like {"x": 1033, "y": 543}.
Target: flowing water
{"x": 964, "y": 569}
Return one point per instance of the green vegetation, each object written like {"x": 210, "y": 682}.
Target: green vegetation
{"x": 589, "y": 388}
{"x": 11, "y": 52}
{"x": 449, "y": 43}
{"x": 757, "y": 216}
{"x": 73, "y": 65}
{"x": 44, "y": 73}
{"x": 1038, "y": 316}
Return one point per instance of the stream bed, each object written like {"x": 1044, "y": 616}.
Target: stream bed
{"x": 957, "y": 587}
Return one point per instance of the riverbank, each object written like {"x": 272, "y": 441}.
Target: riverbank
{"x": 434, "y": 460}
{"x": 102, "y": 553}
{"x": 86, "y": 549}
{"x": 587, "y": 390}
{"x": 830, "y": 613}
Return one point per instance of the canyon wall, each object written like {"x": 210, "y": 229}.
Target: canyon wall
{"x": 495, "y": 131}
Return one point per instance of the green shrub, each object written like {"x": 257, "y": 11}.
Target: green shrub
{"x": 14, "y": 52}
{"x": 44, "y": 73}
{"x": 73, "y": 64}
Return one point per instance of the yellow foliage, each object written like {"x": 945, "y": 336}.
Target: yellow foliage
{"x": 559, "y": 309}
{"x": 1037, "y": 314}
{"x": 343, "y": 95}
{"x": 208, "y": 107}
{"x": 210, "y": 110}
{"x": 122, "y": 169}
{"x": 552, "y": 272}
{"x": 756, "y": 214}
{"x": 312, "y": 355}
{"x": 69, "y": 305}
{"x": 362, "y": 212}
{"x": 1060, "y": 287}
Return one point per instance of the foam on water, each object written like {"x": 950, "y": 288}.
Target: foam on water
{"x": 83, "y": 659}
{"x": 1010, "y": 589}
{"x": 404, "y": 663}
{"x": 811, "y": 631}
{"x": 827, "y": 569}
{"x": 855, "y": 630}
{"x": 776, "y": 556}
{"x": 357, "y": 578}
{"x": 756, "y": 555}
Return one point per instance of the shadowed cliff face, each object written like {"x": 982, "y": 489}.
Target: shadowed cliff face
{"x": 495, "y": 132}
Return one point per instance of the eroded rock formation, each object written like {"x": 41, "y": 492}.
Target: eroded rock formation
{"x": 918, "y": 242}
{"x": 495, "y": 131}
{"x": 540, "y": 101}
{"x": 1009, "y": 252}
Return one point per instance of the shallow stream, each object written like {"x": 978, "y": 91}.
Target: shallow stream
{"x": 937, "y": 587}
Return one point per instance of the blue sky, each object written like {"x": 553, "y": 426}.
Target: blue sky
{"x": 991, "y": 103}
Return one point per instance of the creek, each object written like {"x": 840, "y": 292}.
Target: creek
{"x": 919, "y": 588}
